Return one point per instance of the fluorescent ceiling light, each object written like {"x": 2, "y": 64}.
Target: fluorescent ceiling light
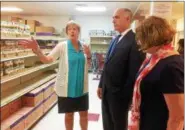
{"x": 91, "y": 8}
{"x": 11, "y": 9}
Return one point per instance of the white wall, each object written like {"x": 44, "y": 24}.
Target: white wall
{"x": 180, "y": 24}
{"x": 93, "y": 23}
{"x": 58, "y": 22}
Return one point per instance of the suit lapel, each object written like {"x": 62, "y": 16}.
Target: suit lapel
{"x": 119, "y": 44}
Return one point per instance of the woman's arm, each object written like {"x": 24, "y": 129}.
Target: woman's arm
{"x": 87, "y": 51}
{"x": 42, "y": 57}
{"x": 175, "y": 103}
{"x": 172, "y": 78}
{"x": 32, "y": 44}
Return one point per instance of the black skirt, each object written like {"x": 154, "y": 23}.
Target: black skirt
{"x": 68, "y": 104}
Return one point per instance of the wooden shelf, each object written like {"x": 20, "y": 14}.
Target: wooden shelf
{"x": 20, "y": 90}
{"x": 18, "y": 57}
{"x": 38, "y": 68}
{"x": 49, "y": 38}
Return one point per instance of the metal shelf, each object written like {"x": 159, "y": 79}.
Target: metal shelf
{"x": 29, "y": 72}
{"x": 35, "y": 37}
{"x": 20, "y": 90}
{"x": 20, "y": 57}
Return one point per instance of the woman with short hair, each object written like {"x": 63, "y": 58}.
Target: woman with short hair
{"x": 72, "y": 77}
{"x": 158, "y": 97}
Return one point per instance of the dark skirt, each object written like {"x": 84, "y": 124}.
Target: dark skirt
{"x": 68, "y": 104}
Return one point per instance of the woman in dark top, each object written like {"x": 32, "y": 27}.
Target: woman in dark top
{"x": 158, "y": 98}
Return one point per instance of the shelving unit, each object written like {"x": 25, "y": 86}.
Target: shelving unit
{"x": 20, "y": 57}
{"x": 35, "y": 37}
{"x": 19, "y": 83}
{"x": 100, "y": 43}
{"x": 28, "y": 72}
{"x": 24, "y": 88}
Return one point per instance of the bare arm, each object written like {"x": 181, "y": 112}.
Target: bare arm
{"x": 42, "y": 57}
{"x": 175, "y": 103}
{"x": 172, "y": 78}
{"x": 32, "y": 44}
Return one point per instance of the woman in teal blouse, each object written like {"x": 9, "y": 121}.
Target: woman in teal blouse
{"x": 72, "y": 77}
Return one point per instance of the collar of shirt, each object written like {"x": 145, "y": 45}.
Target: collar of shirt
{"x": 124, "y": 33}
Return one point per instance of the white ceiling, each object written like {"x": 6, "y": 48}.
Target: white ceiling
{"x": 65, "y": 8}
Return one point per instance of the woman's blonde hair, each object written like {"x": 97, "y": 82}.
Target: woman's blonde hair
{"x": 72, "y": 22}
{"x": 154, "y": 31}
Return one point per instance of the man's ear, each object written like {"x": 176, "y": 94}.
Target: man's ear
{"x": 128, "y": 18}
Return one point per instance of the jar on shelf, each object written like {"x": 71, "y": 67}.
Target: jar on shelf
{"x": 8, "y": 67}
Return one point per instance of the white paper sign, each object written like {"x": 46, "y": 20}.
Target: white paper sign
{"x": 162, "y": 9}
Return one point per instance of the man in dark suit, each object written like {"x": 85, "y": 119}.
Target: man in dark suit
{"x": 117, "y": 80}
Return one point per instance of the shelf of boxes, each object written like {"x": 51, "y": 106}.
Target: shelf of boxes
{"x": 22, "y": 113}
{"x": 28, "y": 72}
{"x": 23, "y": 74}
{"x": 24, "y": 88}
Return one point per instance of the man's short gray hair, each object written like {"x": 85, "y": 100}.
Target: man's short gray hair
{"x": 128, "y": 13}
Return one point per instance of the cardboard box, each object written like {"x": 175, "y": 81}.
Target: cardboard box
{"x": 53, "y": 88}
{"x": 46, "y": 105}
{"x": 5, "y": 112}
{"x": 29, "y": 120}
{"x": 45, "y": 29}
{"x": 14, "y": 122}
{"x": 39, "y": 111}
{"x": 23, "y": 21}
{"x": 15, "y": 105}
{"x": 33, "y": 98}
{"x": 47, "y": 92}
{"x": 49, "y": 102}
{"x": 18, "y": 126}
{"x": 32, "y": 22}
{"x": 32, "y": 27}
{"x": 47, "y": 88}
{"x": 28, "y": 113}
{"x": 16, "y": 19}
{"x": 4, "y": 126}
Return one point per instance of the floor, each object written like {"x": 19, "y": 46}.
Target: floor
{"x": 54, "y": 121}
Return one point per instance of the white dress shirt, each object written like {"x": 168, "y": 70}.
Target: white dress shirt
{"x": 124, "y": 33}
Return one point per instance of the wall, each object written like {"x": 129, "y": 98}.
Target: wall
{"x": 93, "y": 23}
{"x": 180, "y": 31}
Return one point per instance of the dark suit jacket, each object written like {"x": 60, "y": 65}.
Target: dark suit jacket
{"x": 120, "y": 70}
